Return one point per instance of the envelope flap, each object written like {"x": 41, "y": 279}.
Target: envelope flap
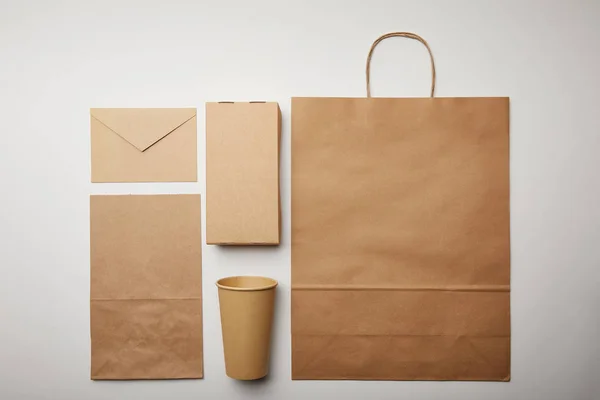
{"x": 143, "y": 127}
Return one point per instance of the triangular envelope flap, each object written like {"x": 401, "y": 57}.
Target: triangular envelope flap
{"x": 142, "y": 127}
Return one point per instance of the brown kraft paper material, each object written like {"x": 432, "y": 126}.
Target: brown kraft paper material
{"x": 242, "y": 173}
{"x": 400, "y": 238}
{"x": 144, "y": 144}
{"x": 246, "y": 304}
{"x": 146, "y": 287}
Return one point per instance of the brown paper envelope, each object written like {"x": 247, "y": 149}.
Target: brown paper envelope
{"x": 146, "y": 287}
{"x": 144, "y": 144}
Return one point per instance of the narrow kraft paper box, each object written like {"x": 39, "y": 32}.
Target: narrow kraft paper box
{"x": 242, "y": 173}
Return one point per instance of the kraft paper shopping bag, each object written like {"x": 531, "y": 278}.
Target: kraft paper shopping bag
{"x": 146, "y": 287}
{"x": 143, "y": 144}
{"x": 400, "y": 237}
{"x": 242, "y": 173}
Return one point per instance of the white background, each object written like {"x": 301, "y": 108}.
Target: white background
{"x": 59, "y": 58}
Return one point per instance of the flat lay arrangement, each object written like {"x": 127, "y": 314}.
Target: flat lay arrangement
{"x": 400, "y": 237}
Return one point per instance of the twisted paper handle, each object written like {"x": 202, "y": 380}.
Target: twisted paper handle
{"x": 399, "y": 34}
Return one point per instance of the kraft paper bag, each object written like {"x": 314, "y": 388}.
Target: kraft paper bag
{"x": 144, "y": 144}
{"x": 400, "y": 238}
{"x": 242, "y": 173}
{"x": 146, "y": 287}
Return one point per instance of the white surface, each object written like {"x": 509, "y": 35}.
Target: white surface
{"x": 60, "y": 58}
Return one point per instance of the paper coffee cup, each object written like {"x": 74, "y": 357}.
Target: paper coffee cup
{"x": 247, "y": 304}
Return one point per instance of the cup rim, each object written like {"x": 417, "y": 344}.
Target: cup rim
{"x": 270, "y": 283}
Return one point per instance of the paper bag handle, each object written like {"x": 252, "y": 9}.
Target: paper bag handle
{"x": 399, "y": 34}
